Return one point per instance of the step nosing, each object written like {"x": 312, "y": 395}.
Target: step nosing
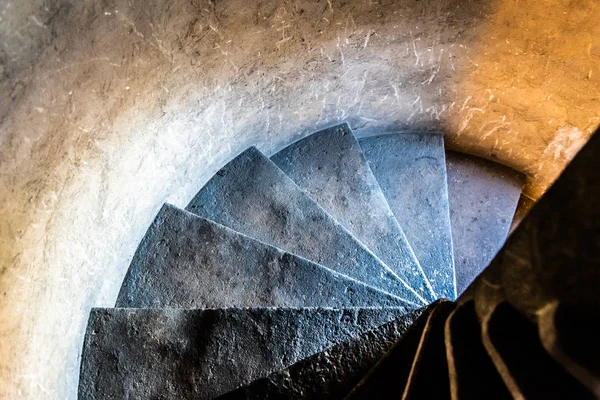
{"x": 253, "y": 196}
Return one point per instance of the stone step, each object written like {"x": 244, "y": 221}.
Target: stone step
{"x": 330, "y": 374}
{"x": 186, "y": 261}
{"x": 411, "y": 171}
{"x": 428, "y": 378}
{"x": 330, "y": 167}
{"x": 483, "y": 200}
{"x": 175, "y": 353}
{"x": 389, "y": 376}
{"x": 252, "y": 196}
{"x": 472, "y": 373}
{"x": 529, "y": 371}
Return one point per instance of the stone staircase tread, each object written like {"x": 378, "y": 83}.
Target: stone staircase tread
{"x": 411, "y": 171}
{"x": 253, "y": 196}
{"x": 175, "y": 353}
{"x": 483, "y": 199}
{"x": 430, "y": 364}
{"x": 186, "y": 261}
{"x": 330, "y": 167}
{"x": 389, "y": 376}
{"x": 472, "y": 372}
{"x": 332, "y": 373}
{"x": 533, "y": 372}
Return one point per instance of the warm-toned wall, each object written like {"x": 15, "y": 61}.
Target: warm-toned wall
{"x": 108, "y": 109}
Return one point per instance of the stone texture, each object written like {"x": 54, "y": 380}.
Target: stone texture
{"x": 171, "y": 353}
{"x": 332, "y": 373}
{"x": 483, "y": 198}
{"x": 252, "y": 196}
{"x": 536, "y": 375}
{"x": 411, "y": 171}
{"x": 109, "y": 109}
{"x": 428, "y": 377}
{"x": 389, "y": 376}
{"x": 471, "y": 371}
{"x": 186, "y": 261}
{"x": 330, "y": 167}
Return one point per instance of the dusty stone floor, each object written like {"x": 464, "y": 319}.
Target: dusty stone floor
{"x": 110, "y": 108}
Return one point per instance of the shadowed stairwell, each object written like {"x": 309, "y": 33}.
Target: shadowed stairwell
{"x": 344, "y": 268}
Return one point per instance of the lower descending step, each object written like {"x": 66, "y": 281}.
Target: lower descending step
{"x": 483, "y": 199}
{"x": 252, "y": 196}
{"x": 389, "y": 376}
{"x": 171, "y": 353}
{"x": 331, "y": 374}
{"x": 527, "y": 369}
{"x": 186, "y": 261}
{"x": 430, "y": 363}
{"x": 329, "y": 165}
{"x": 411, "y": 170}
{"x": 566, "y": 331}
{"x": 472, "y": 372}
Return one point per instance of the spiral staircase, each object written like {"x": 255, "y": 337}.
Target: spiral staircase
{"x": 348, "y": 268}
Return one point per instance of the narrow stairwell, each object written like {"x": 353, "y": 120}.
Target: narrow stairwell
{"x": 332, "y": 269}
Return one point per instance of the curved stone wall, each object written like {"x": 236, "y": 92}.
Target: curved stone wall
{"x": 108, "y": 109}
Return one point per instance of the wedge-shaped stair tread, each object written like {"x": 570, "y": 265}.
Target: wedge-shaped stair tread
{"x": 186, "y": 261}
{"x": 388, "y": 378}
{"x": 472, "y": 372}
{"x": 171, "y": 353}
{"x": 330, "y": 374}
{"x": 330, "y": 167}
{"x": 530, "y": 371}
{"x": 411, "y": 171}
{"x": 483, "y": 199}
{"x": 428, "y": 377}
{"x": 253, "y": 196}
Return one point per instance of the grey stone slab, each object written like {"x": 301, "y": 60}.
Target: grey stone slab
{"x": 332, "y": 373}
{"x": 472, "y": 372}
{"x": 534, "y": 372}
{"x": 175, "y": 354}
{"x": 411, "y": 171}
{"x": 186, "y": 261}
{"x": 389, "y": 376}
{"x": 483, "y": 200}
{"x": 253, "y": 196}
{"x": 330, "y": 167}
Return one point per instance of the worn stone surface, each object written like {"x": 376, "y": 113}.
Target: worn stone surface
{"x": 252, "y": 196}
{"x": 428, "y": 377}
{"x": 534, "y": 372}
{"x": 471, "y": 371}
{"x": 390, "y": 375}
{"x": 171, "y": 353}
{"x": 330, "y": 167}
{"x": 483, "y": 198}
{"x": 411, "y": 171}
{"x": 332, "y": 373}
{"x": 111, "y": 108}
{"x": 186, "y": 261}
